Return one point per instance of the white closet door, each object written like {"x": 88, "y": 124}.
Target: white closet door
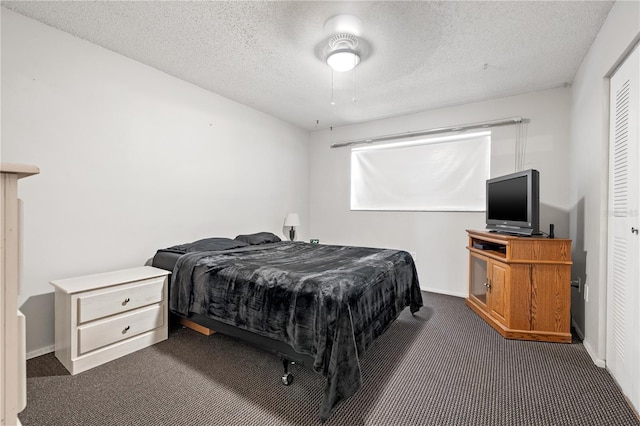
{"x": 623, "y": 272}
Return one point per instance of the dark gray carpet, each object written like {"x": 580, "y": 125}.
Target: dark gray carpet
{"x": 445, "y": 366}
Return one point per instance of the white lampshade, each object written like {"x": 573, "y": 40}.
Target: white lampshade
{"x": 343, "y": 60}
{"x": 292, "y": 219}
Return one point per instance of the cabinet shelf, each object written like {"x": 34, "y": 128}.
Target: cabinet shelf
{"x": 498, "y": 255}
{"x": 521, "y": 285}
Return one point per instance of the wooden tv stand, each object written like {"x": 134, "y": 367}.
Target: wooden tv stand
{"x": 521, "y": 286}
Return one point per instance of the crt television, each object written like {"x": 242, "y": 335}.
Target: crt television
{"x": 513, "y": 203}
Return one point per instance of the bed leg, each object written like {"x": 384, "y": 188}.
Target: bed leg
{"x": 287, "y": 377}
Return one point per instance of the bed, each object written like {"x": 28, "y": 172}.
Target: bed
{"x": 318, "y": 305}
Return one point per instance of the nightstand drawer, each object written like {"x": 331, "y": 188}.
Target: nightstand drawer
{"x": 103, "y": 303}
{"x": 106, "y": 332}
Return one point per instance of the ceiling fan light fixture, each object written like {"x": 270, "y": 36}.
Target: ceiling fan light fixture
{"x": 342, "y": 60}
{"x": 342, "y": 55}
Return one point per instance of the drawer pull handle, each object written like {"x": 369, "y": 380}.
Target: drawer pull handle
{"x": 127, "y": 300}
{"x": 126, "y": 329}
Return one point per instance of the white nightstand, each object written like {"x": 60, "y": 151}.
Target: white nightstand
{"x": 102, "y": 317}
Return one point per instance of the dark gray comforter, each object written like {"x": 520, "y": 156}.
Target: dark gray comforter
{"x": 329, "y": 302}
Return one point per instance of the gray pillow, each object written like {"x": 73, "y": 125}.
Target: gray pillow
{"x": 259, "y": 238}
{"x": 208, "y": 244}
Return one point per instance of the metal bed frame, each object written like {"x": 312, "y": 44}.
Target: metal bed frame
{"x": 284, "y": 351}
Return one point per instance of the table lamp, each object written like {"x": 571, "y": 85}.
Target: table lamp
{"x": 292, "y": 220}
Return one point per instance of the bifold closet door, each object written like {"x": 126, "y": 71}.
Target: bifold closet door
{"x": 623, "y": 272}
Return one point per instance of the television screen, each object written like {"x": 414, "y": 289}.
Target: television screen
{"x": 508, "y": 200}
{"x": 513, "y": 203}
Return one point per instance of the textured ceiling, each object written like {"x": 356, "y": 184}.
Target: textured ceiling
{"x": 268, "y": 55}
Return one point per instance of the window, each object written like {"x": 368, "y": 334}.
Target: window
{"x": 436, "y": 174}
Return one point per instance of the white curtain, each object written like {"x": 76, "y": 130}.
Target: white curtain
{"x": 437, "y": 174}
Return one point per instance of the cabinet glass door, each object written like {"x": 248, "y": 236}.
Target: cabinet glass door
{"x": 478, "y": 279}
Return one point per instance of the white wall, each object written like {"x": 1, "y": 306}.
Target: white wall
{"x": 439, "y": 238}
{"x": 131, "y": 160}
{"x": 589, "y": 169}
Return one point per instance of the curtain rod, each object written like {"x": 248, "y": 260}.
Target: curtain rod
{"x": 481, "y": 125}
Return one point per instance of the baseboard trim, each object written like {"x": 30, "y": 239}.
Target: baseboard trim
{"x": 448, "y": 293}
{"x": 41, "y": 351}
{"x": 597, "y": 361}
